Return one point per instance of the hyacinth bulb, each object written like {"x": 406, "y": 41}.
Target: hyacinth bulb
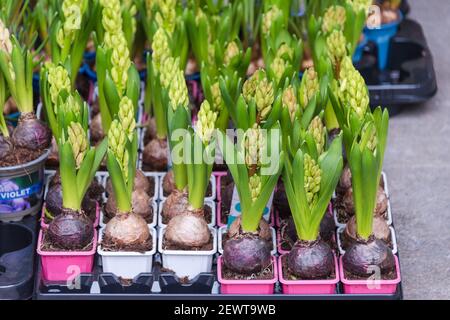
{"x": 127, "y": 229}
{"x": 188, "y": 231}
{"x": 311, "y": 260}
{"x": 31, "y": 133}
{"x": 70, "y": 230}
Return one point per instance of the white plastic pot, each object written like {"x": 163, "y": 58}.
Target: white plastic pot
{"x": 127, "y": 264}
{"x": 210, "y": 203}
{"x": 187, "y": 263}
{"x": 223, "y": 230}
{"x": 342, "y": 251}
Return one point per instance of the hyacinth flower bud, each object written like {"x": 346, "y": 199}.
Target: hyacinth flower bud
{"x": 161, "y": 50}
{"x": 249, "y": 88}
{"x": 278, "y": 66}
{"x": 334, "y": 18}
{"x": 117, "y": 139}
{"x": 353, "y": 90}
{"x": 289, "y": 100}
{"x": 269, "y": 17}
{"x": 317, "y": 130}
{"x": 71, "y": 105}
{"x": 78, "y": 141}
{"x": 126, "y": 116}
{"x": 255, "y": 186}
{"x": 309, "y": 87}
{"x": 58, "y": 79}
{"x": 166, "y": 16}
{"x": 337, "y": 47}
{"x": 264, "y": 97}
{"x": 206, "y": 122}
{"x": 359, "y": 5}
{"x": 312, "y": 179}
{"x": 231, "y": 51}
{"x": 168, "y": 70}
{"x": 120, "y": 60}
{"x": 178, "y": 92}
{"x": 217, "y": 97}
{"x": 5, "y": 39}
{"x": 253, "y": 146}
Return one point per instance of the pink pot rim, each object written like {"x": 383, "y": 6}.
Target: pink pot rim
{"x": 308, "y": 282}
{"x": 96, "y": 221}
{"x": 247, "y": 282}
{"x": 66, "y": 253}
{"x": 364, "y": 282}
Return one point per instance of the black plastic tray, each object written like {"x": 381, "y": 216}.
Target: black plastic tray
{"x": 410, "y": 76}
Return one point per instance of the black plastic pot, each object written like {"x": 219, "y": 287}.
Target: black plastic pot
{"x": 17, "y": 252}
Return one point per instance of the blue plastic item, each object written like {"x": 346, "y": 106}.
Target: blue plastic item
{"x": 381, "y": 37}
{"x": 359, "y": 50}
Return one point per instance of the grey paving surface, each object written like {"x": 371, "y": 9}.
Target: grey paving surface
{"x": 418, "y": 170}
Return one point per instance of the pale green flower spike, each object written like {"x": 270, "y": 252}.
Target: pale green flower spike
{"x": 111, "y": 20}
{"x": 178, "y": 92}
{"x": 336, "y": 46}
{"x": 369, "y": 137}
{"x": 78, "y": 141}
{"x": 334, "y": 18}
{"x": 359, "y": 5}
{"x": 289, "y": 100}
{"x": 73, "y": 12}
{"x": 309, "y": 86}
{"x": 5, "y": 39}
{"x": 312, "y": 179}
{"x": 126, "y": 116}
{"x": 264, "y": 97}
{"x": 352, "y": 89}
{"x": 269, "y": 17}
{"x": 117, "y": 139}
{"x": 278, "y": 66}
{"x": 166, "y": 17}
{"x": 316, "y": 128}
{"x": 206, "y": 122}
{"x": 161, "y": 49}
{"x": 249, "y": 88}
{"x": 283, "y": 50}
{"x": 255, "y": 185}
{"x": 217, "y": 97}
{"x": 231, "y": 51}
{"x": 253, "y": 146}
{"x": 59, "y": 80}
{"x": 121, "y": 63}
{"x": 70, "y": 105}
{"x": 168, "y": 71}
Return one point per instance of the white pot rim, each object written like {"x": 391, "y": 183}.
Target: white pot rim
{"x": 127, "y": 253}
{"x": 186, "y": 252}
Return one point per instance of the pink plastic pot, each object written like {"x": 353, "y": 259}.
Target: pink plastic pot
{"x": 247, "y": 286}
{"x": 63, "y": 265}
{"x": 219, "y": 175}
{"x": 308, "y": 286}
{"x": 279, "y": 247}
{"x": 370, "y": 286}
{"x": 96, "y": 222}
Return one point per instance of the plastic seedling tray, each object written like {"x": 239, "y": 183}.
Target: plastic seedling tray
{"x": 409, "y": 77}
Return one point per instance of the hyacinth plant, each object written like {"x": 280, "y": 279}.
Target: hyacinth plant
{"x": 255, "y": 166}
{"x": 210, "y": 27}
{"x": 31, "y": 135}
{"x": 69, "y": 31}
{"x": 310, "y": 177}
{"x": 187, "y": 227}
{"x": 116, "y": 74}
{"x": 259, "y": 103}
{"x": 126, "y": 231}
{"x": 79, "y": 163}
